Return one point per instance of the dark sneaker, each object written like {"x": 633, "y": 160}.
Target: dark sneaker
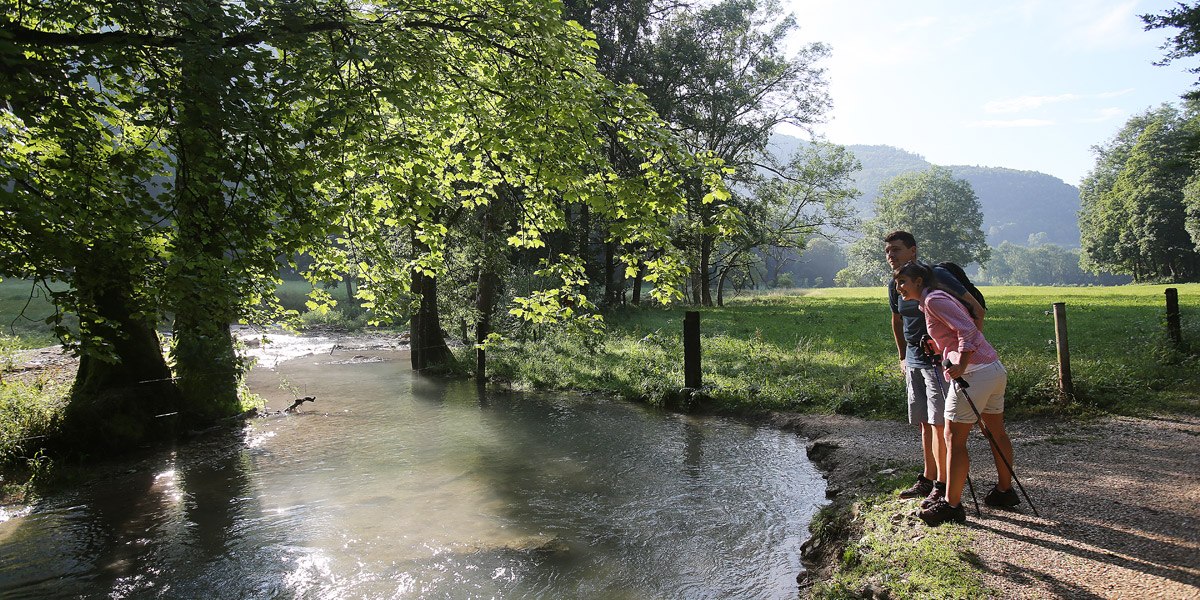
{"x": 920, "y": 489}
{"x": 941, "y": 511}
{"x": 1006, "y": 499}
{"x": 937, "y": 494}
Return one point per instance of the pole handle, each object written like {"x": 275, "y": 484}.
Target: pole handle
{"x": 959, "y": 380}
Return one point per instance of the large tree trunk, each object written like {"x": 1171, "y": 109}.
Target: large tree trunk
{"x": 485, "y": 302}
{"x": 126, "y": 395}
{"x": 428, "y": 345}
{"x": 204, "y": 289}
{"x": 485, "y": 298}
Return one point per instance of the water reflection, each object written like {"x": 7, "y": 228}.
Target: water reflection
{"x": 130, "y": 531}
{"x": 398, "y": 486}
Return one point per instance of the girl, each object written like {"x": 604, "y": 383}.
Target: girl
{"x": 972, "y": 358}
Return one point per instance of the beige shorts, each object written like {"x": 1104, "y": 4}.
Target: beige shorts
{"x": 986, "y": 389}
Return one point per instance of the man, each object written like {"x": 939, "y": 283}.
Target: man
{"x": 923, "y": 379}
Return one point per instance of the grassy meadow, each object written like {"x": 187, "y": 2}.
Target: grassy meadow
{"x": 23, "y": 313}
{"x": 819, "y": 350}
{"x": 831, "y": 350}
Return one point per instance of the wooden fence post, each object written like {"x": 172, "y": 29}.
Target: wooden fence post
{"x": 691, "y": 350}
{"x": 1174, "y": 333}
{"x": 1066, "y": 389}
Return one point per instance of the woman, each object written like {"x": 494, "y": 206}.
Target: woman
{"x": 972, "y": 358}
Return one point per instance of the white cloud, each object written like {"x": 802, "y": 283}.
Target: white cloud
{"x": 1104, "y": 114}
{"x": 1011, "y": 123}
{"x": 1020, "y": 103}
{"x": 1115, "y": 94}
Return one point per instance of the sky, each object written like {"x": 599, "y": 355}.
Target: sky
{"x": 1023, "y": 84}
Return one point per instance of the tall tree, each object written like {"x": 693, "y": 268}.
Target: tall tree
{"x": 624, "y": 30}
{"x": 279, "y": 123}
{"x": 1133, "y": 211}
{"x": 721, "y": 74}
{"x": 941, "y": 210}
{"x": 1184, "y": 44}
{"x": 809, "y": 196}
{"x": 83, "y": 204}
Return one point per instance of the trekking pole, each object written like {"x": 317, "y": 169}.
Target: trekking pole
{"x": 962, "y": 387}
{"x": 974, "y": 498}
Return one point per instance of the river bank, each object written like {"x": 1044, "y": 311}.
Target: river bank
{"x": 1119, "y": 500}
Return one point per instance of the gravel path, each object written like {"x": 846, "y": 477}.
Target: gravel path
{"x": 1119, "y": 500}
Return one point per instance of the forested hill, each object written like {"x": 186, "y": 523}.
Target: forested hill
{"x": 1016, "y": 204}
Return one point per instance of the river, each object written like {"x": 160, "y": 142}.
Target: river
{"x": 391, "y": 485}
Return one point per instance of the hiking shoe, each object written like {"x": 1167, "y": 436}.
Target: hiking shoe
{"x": 937, "y": 494}
{"x": 1002, "y": 499}
{"x": 919, "y": 489}
{"x": 941, "y": 511}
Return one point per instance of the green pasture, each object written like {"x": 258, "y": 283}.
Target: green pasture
{"x": 831, "y": 350}
{"x": 25, "y": 308}
{"x": 823, "y": 350}
{"x": 346, "y": 314}
{"x": 23, "y": 313}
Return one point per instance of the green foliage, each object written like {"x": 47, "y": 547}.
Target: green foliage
{"x": 1185, "y": 43}
{"x": 30, "y": 413}
{"x": 830, "y": 350}
{"x": 1134, "y": 212}
{"x": 1044, "y": 264}
{"x": 341, "y": 312}
{"x": 941, "y": 210}
{"x": 741, "y": 82}
{"x": 164, "y": 157}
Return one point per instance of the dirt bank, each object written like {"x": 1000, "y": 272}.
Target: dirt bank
{"x": 1119, "y": 500}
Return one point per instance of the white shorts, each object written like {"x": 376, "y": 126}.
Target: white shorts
{"x": 985, "y": 388}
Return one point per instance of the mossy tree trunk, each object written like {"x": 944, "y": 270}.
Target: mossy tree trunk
{"x": 123, "y": 393}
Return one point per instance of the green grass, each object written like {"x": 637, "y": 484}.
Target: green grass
{"x": 347, "y": 314}
{"x": 831, "y": 350}
{"x": 23, "y": 313}
{"x": 30, "y": 412}
{"x": 883, "y": 546}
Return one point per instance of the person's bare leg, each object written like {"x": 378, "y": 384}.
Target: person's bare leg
{"x": 939, "y": 452}
{"x": 959, "y": 464}
{"x": 930, "y": 445}
{"x": 995, "y": 424}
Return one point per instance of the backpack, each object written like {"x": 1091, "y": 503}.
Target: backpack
{"x": 962, "y": 278}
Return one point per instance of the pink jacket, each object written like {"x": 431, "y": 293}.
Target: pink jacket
{"x": 952, "y": 329}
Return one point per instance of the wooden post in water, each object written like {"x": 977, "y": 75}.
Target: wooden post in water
{"x": 1066, "y": 389}
{"x": 691, "y": 350}
{"x": 1174, "y": 333}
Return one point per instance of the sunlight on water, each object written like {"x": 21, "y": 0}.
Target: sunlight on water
{"x": 393, "y": 486}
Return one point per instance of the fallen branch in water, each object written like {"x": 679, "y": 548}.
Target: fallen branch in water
{"x": 298, "y": 402}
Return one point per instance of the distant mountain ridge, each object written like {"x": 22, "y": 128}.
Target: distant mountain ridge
{"x": 1018, "y": 206}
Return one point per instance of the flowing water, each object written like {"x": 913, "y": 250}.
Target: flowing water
{"x": 391, "y": 485}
